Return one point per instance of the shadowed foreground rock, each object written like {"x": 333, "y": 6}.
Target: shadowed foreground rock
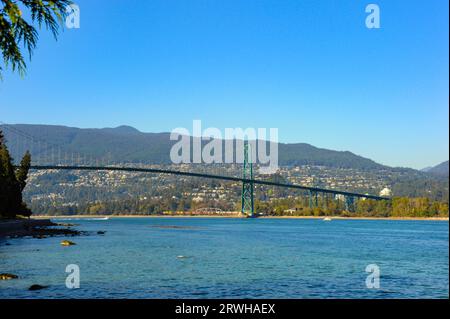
{"x": 36, "y": 287}
{"x": 37, "y": 228}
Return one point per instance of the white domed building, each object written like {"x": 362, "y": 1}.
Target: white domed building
{"x": 385, "y": 192}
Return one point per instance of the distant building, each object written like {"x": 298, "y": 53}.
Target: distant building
{"x": 197, "y": 199}
{"x": 385, "y": 192}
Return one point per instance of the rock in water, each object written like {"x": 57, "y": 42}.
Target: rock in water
{"x": 101, "y": 232}
{"x": 66, "y": 224}
{"x": 67, "y": 243}
{"x": 37, "y": 287}
{"x": 8, "y": 276}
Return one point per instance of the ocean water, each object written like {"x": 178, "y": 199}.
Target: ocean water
{"x": 234, "y": 258}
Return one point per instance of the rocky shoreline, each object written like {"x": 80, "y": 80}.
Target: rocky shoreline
{"x": 38, "y": 228}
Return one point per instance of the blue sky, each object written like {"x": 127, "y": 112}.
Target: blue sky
{"x": 310, "y": 68}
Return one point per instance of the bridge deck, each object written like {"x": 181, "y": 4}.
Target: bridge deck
{"x": 192, "y": 174}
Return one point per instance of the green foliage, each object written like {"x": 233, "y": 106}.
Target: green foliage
{"x": 397, "y": 207}
{"x": 15, "y": 31}
{"x": 12, "y": 183}
{"x": 22, "y": 171}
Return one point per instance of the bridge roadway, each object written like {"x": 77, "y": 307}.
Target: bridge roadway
{"x": 192, "y": 174}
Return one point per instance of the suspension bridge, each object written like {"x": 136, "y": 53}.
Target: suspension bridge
{"x": 47, "y": 156}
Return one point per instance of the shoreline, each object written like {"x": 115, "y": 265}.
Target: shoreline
{"x": 239, "y": 216}
{"x": 35, "y": 227}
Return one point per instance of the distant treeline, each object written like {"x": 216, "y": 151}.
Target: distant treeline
{"x": 397, "y": 207}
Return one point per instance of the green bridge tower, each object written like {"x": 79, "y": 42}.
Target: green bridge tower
{"x": 247, "y": 204}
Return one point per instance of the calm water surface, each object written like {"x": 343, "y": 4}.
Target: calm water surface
{"x": 234, "y": 258}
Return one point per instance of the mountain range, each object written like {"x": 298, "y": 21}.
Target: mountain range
{"x": 441, "y": 169}
{"x": 127, "y": 144}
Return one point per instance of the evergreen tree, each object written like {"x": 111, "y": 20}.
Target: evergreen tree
{"x": 3, "y": 190}
{"x": 11, "y": 196}
{"x": 22, "y": 171}
{"x": 12, "y": 183}
{"x": 17, "y": 33}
